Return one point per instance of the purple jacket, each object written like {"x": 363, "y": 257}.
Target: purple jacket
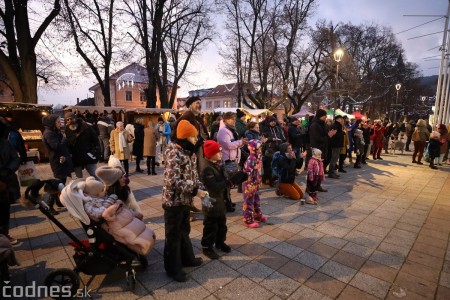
{"x": 230, "y": 147}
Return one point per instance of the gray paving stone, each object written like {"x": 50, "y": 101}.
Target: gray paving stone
{"x": 255, "y": 271}
{"x": 310, "y": 259}
{"x": 387, "y": 259}
{"x": 338, "y": 271}
{"x": 280, "y": 285}
{"x": 240, "y": 289}
{"x": 212, "y": 280}
{"x": 358, "y": 250}
{"x": 287, "y": 249}
{"x": 371, "y": 285}
{"x": 333, "y": 241}
{"x": 306, "y": 293}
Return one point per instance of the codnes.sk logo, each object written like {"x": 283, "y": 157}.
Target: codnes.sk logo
{"x": 40, "y": 291}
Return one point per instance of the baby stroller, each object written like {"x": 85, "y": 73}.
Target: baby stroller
{"x": 98, "y": 255}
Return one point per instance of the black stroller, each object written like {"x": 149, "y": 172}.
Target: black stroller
{"x": 98, "y": 255}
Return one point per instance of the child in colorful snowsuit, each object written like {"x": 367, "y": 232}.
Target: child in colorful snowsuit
{"x": 214, "y": 211}
{"x": 315, "y": 174}
{"x": 252, "y": 204}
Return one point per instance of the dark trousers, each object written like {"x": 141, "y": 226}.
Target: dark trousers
{"x": 312, "y": 185}
{"x": 138, "y": 163}
{"x": 178, "y": 247}
{"x": 366, "y": 149}
{"x": 419, "y": 148}
{"x": 125, "y": 166}
{"x": 5, "y": 206}
{"x": 214, "y": 231}
{"x": 151, "y": 163}
{"x": 342, "y": 158}
{"x": 53, "y": 198}
{"x": 358, "y": 160}
{"x": 408, "y": 141}
{"x": 377, "y": 152}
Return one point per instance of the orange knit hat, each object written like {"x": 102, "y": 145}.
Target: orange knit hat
{"x": 185, "y": 130}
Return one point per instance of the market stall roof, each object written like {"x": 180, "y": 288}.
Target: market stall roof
{"x": 250, "y": 111}
{"x": 303, "y": 112}
{"x": 358, "y": 115}
{"x": 340, "y": 112}
{"x": 92, "y": 109}
{"x": 25, "y": 106}
{"x": 143, "y": 110}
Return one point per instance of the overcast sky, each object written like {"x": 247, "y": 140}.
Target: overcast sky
{"x": 384, "y": 12}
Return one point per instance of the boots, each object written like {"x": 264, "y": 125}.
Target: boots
{"x": 432, "y": 164}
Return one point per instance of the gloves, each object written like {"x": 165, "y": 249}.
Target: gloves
{"x": 238, "y": 177}
{"x": 207, "y": 201}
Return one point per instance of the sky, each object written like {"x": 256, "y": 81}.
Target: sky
{"x": 384, "y": 12}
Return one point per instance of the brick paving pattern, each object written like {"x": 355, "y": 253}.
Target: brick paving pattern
{"x": 381, "y": 232}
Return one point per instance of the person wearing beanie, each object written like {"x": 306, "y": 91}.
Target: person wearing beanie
{"x": 287, "y": 162}
{"x": 116, "y": 182}
{"x": 241, "y": 124}
{"x": 319, "y": 137}
{"x": 180, "y": 185}
{"x": 58, "y": 154}
{"x": 218, "y": 187}
{"x": 315, "y": 175}
{"x": 336, "y": 144}
{"x": 274, "y": 137}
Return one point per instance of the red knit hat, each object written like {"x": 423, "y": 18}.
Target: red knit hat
{"x": 211, "y": 148}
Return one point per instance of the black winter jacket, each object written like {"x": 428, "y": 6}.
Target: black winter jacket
{"x": 215, "y": 182}
{"x": 318, "y": 134}
{"x": 337, "y": 140}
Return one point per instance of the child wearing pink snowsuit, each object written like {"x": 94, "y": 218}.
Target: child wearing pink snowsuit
{"x": 252, "y": 204}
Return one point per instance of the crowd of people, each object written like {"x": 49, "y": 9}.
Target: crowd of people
{"x": 208, "y": 162}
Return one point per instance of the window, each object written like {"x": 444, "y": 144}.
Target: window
{"x": 216, "y": 104}
{"x": 128, "y": 95}
{"x": 209, "y": 104}
{"x": 143, "y": 97}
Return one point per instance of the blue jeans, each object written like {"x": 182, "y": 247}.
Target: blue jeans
{"x": 90, "y": 168}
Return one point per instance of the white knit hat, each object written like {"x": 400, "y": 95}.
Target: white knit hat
{"x": 93, "y": 187}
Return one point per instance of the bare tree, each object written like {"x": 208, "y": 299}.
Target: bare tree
{"x": 170, "y": 33}
{"x": 18, "y": 47}
{"x": 92, "y": 25}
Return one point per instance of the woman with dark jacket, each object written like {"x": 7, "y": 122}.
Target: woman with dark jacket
{"x": 9, "y": 185}
{"x": 252, "y": 132}
{"x": 287, "y": 165}
{"x": 59, "y": 155}
{"x": 138, "y": 145}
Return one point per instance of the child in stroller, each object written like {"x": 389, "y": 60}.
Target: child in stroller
{"x": 102, "y": 252}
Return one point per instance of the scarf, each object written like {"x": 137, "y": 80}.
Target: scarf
{"x": 122, "y": 141}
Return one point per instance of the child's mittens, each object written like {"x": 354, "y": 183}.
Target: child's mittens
{"x": 208, "y": 202}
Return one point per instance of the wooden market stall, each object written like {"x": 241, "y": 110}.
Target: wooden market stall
{"x": 27, "y": 119}
{"x": 92, "y": 113}
{"x": 148, "y": 114}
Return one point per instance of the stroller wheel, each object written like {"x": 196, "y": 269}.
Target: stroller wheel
{"x": 143, "y": 261}
{"x": 67, "y": 281}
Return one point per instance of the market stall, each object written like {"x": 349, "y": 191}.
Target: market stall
{"x": 148, "y": 114}
{"x": 26, "y": 118}
{"x": 92, "y": 113}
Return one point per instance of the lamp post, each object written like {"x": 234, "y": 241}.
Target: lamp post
{"x": 338, "y": 54}
{"x": 398, "y": 86}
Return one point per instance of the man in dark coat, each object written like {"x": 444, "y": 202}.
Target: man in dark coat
{"x": 296, "y": 139}
{"x": 83, "y": 145}
{"x": 104, "y": 127}
{"x": 15, "y": 139}
{"x": 336, "y": 143}
{"x": 9, "y": 185}
{"x": 58, "y": 153}
{"x": 138, "y": 144}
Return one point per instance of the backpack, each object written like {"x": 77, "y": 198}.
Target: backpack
{"x": 274, "y": 164}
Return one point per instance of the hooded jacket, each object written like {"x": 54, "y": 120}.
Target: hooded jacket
{"x": 218, "y": 187}
{"x": 253, "y": 164}
{"x": 286, "y": 165}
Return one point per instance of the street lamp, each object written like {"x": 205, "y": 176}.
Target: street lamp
{"x": 398, "y": 86}
{"x": 338, "y": 54}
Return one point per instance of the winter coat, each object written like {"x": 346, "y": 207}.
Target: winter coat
{"x": 197, "y": 121}
{"x": 275, "y": 137}
{"x": 216, "y": 183}
{"x": 16, "y": 140}
{"x": 286, "y": 166}
{"x": 434, "y": 148}
{"x": 104, "y": 129}
{"x": 56, "y": 147}
{"x": 410, "y": 128}
{"x": 252, "y": 167}
{"x": 423, "y": 133}
{"x": 181, "y": 180}
{"x": 82, "y": 141}
{"x": 230, "y": 145}
{"x": 252, "y": 135}
{"x": 138, "y": 144}
{"x": 295, "y": 136}
{"x": 167, "y": 132}
{"x": 214, "y": 130}
{"x": 346, "y": 142}
{"x": 151, "y": 136}
{"x": 241, "y": 127}
{"x": 378, "y": 136}
{"x": 315, "y": 170}
{"x": 337, "y": 140}
{"x": 115, "y": 146}
{"x": 318, "y": 134}
{"x": 9, "y": 164}
{"x": 127, "y": 229}
{"x": 366, "y": 135}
